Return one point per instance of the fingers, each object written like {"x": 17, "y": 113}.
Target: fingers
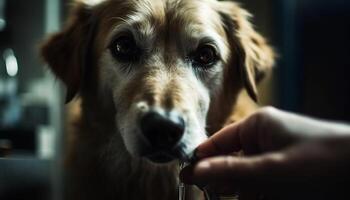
{"x": 225, "y": 141}
{"x": 284, "y": 162}
{"x": 238, "y": 170}
{"x": 233, "y": 138}
{"x": 246, "y": 176}
{"x": 252, "y": 135}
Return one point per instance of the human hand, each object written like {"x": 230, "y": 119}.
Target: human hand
{"x": 285, "y": 155}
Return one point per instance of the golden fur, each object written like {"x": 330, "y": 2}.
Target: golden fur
{"x": 104, "y": 152}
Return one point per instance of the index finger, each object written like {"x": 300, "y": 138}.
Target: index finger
{"x": 226, "y": 141}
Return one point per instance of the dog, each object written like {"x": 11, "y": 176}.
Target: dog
{"x": 154, "y": 79}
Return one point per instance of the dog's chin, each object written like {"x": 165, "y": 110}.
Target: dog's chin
{"x": 162, "y": 156}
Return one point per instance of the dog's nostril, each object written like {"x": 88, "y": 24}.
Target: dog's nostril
{"x": 162, "y": 131}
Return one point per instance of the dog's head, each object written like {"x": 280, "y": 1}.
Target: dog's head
{"x": 162, "y": 63}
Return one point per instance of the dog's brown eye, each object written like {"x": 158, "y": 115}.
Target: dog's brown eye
{"x": 205, "y": 56}
{"x": 125, "y": 49}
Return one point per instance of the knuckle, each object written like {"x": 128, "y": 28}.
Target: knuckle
{"x": 267, "y": 111}
{"x": 265, "y": 115}
{"x": 231, "y": 163}
{"x": 272, "y": 161}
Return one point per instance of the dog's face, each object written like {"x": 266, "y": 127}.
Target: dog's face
{"x": 162, "y": 63}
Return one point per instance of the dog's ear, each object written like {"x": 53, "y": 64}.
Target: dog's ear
{"x": 255, "y": 56}
{"x": 64, "y": 51}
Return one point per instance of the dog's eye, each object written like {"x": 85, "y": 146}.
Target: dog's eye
{"x": 125, "y": 49}
{"x": 205, "y": 56}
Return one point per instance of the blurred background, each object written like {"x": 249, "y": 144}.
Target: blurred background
{"x": 30, "y": 102}
{"x": 311, "y": 77}
{"x": 312, "y": 40}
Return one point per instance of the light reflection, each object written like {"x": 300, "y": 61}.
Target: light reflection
{"x": 11, "y": 62}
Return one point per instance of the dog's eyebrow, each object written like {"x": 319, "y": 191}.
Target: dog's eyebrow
{"x": 141, "y": 29}
{"x": 142, "y": 36}
{"x": 194, "y": 37}
{"x": 208, "y": 40}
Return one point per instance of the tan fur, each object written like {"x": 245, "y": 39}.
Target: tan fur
{"x": 103, "y": 154}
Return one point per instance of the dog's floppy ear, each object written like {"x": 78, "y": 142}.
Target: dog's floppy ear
{"x": 255, "y": 56}
{"x": 64, "y": 51}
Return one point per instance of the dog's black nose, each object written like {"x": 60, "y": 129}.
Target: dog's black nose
{"x": 163, "y": 131}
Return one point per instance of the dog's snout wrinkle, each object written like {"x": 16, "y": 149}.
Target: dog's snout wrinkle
{"x": 162, "y": 130}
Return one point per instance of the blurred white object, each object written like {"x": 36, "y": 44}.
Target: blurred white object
{"x": 91, "y": 2}
{"x": 46, "y": 143}
{"x": 10, "y": 110}
{"x": 10, "y": 62}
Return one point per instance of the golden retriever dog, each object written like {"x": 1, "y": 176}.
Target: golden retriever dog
{"x": 155, "y": 78}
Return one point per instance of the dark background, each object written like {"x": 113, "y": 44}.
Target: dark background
{"x": 312, "y": 39}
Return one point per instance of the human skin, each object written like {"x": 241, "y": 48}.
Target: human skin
{"x": 286, "y": 156}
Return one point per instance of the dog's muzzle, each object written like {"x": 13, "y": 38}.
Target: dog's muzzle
{"x": 163, "y": 131}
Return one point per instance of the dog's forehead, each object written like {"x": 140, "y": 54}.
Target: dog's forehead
{"x": 177, "y": 24}
{"x": 169, "y": 15}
